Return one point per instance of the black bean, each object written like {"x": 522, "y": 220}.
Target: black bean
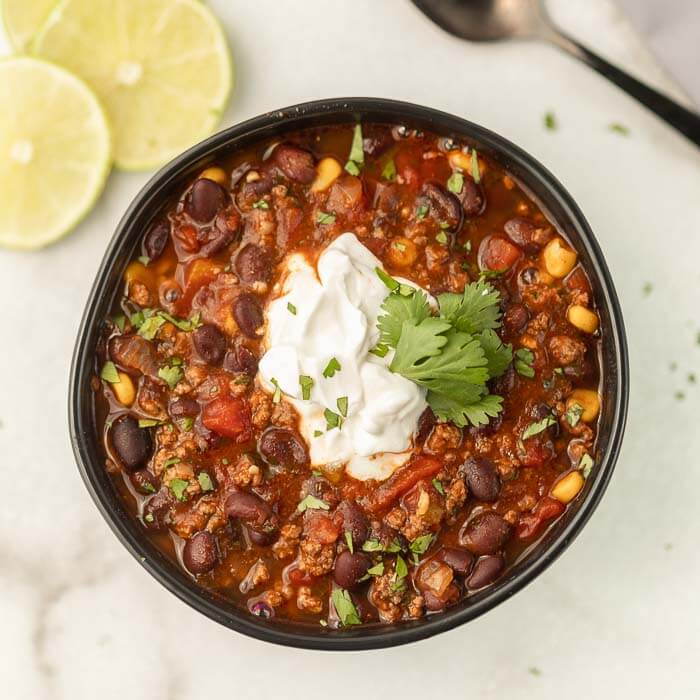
{"x": 253, "y": 264}
{"x": 248, "y": 315}
{"x": 434, "y": 603}
{"x": 283, "y": 447}
{"x": 252, "y": 510}
{"x": 199, "y": 554}
{"x": 144, "y": 481}
{"x": 472, "y": 198}
{"x": 459, "y": 560}
{"x": 156, "y": 239}
{"x": 183, "y": 407}
{"x": 157, "y": 508}
{"x": 132, "y": 444}
{"x": 515, "y": 318}
{"x": 205, "y": 200}
{"x": 354, "y": 521}
{"x": 350, "y": 568}
{"x": 486, "y": 570}
{"x": 261, "y": 539}
{"x": 210, "y": 343}
{"x": 296, "y": 163}
{"x": 426, "y": 423}
{"x": 444, "y": 206}
{"x": 482, "y": 478}
{"x": 485, "y": 533}
{"x": 241, "y": 359}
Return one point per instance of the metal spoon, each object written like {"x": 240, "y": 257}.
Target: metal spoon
{"x": 493, "y": 20}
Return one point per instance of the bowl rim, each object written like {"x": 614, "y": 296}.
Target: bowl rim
{"x": 302, "y": 636}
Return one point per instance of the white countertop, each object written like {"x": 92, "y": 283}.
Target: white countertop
{"x": 616, "y": 616}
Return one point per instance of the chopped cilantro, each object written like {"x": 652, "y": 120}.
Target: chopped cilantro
{"x": 538, "y": 427}
{"x": 399, "y": 246}
{"x": 178, "y": 486}
{"x": 170, "y": 375}
{"x": 351, "y": 167}
{"x": 522, "y": 362}
{"x": 400, "y": 569}
{"x": 185, "y": 424}
{"x": 170, "y": 462}
{"x": 455, "y": 183}
{"x": 476, "y": 173}
{"x": 291, "y": 308}
{"x": 388, "y": 280}
{"x": 618, "y": 128}
{"x": 109, "y": 373}
{"x": 149, "y": 517}
{"x": 534, "y": 671}
{"x": 332, "y": 367}
{"x": 313, "y": 503}
{"x": 357, "y": 153}
{"x": 148, "y": 422}
{"x": 441, "y": 238}
{"x": 586, "y": 465}
{"x": 318, "y": 433}
{"x": 422, "y": 211}
{"x": 205, "y": 481}
{"x": 306, "y": 383}
{"x": 333, "y": 420}
{"x": 347, "y": 612}
{"x": 437, "y": 485}
{"x": 277, "y": 394}
{"x": 119, "y": 322}
{"x": 144, "y": 260}
{"x": 444, "y": 226}
{"x": 372, "y": 546}
{"x": 421, "y": 544}
{"x": 376, "y": 570}
{"x": 389, "y": 170}
{"x": 467, "y": 246}
{"x": 261, "y": 204}
{"x": 149, "y": 327}
{"x": 574, "y": 413}
{"x": 324, "y": 218}
{"x": 550, "y": 121}
{"x": 380, "y": 350}
{"x": 342, "y": 404}
{"x": 348, "y": 541}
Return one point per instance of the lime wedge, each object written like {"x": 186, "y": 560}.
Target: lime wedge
{"x": 162, "y": 69}
{"x": 54, "y": 151}
{"x": 23, "y": 19}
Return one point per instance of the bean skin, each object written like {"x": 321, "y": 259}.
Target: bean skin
{"x": 205, "y": 200}
{"x": 436, "y": 603}
{"x": 296, "y": 163}
{"x": 199, "y": 554}
{"x": 156, "y": 240}
{"x": 241, "y": 359}
{"x": 485, "y": 533}
{"x": 472, "y": 198}
{"x": 283, "y": 447}
{"x": 482, "y": 479}
{"x": 350, "y": 568}
{"x": 248, "y": 315}
{"x": 183, "y": 407}
{"x": 210, "y": 343}
{"x": 354, "y": 521}
{"x": 459, "y": 560}
{"x": 132, "y": 444}
{"x": 445, "y": 207}
{"x": 486, "y": 570}
{"x": 253, "y": 264}
{"x": 252, "y": 510}
{"x": 144, "y": 481}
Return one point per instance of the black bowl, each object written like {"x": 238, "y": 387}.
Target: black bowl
{"x": 554, "y": 200}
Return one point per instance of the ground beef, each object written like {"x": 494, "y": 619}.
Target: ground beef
{"x": 566, "y": 351}
{"x": 139, "y": 294}
{"x": 455, "y": 496}
{"x": 308, "y": 602}
{"x": 257, "y": 575}
{"x": 316, "y": 558}
{"x": 284, "y": 415}
{"x": 445, "y": 436}
{"x": 195, "y": 518}
{"x": 288, "y": 541}
{"x": 261, "y": 408}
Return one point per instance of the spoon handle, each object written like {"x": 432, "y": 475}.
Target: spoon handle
{"x": 684, "y": 120}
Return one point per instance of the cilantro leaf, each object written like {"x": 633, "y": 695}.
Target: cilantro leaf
{"x": 150, "y": 326}
{"x": 398, "y": 309}
{"x": 498, "y": 355}
{"x": 461, "y": 411}
{"x": 313, "y": 503}
{"x": 476, "y": 310}
{"x": 109, "y": 373}
{"x": 538, "y": 427}
{"x": 347, "y": 612}
{"x": 178, "y": 486}
{"x": 205, "y": 481}
{"x": 170, "y": 375}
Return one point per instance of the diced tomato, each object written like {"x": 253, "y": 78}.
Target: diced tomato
{"x": 498, "y": 253}
{"x": 536, "y": 452}
{"x": 185, "y": 238}
{"x": 531, "y": 523}
{"x": 402, "y": 480}
{"x": 229, "y": 417}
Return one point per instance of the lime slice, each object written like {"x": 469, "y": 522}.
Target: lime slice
{"x": 54, "y": 151}
{"x": 162, "y": 68}
{"x": 23, "y": 19}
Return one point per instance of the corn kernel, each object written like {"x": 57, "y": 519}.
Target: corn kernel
{"x": 402, "y": 252}
{"x": 559, "y": 260}
{"x": 566, "y": 489}
{"x": 582, "y": 318}
{"x": 215, "y": 174}
{"x": 588, "y": 400}
{"x": 327, "y": 170}
{"x": 124, "y": 390}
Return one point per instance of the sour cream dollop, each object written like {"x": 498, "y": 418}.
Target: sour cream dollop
{"x": 331, "y": 312}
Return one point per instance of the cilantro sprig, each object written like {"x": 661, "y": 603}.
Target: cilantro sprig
{"x": 453, "y": 354}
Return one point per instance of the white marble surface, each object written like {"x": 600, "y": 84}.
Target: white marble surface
{"x": 616, "y": 616}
